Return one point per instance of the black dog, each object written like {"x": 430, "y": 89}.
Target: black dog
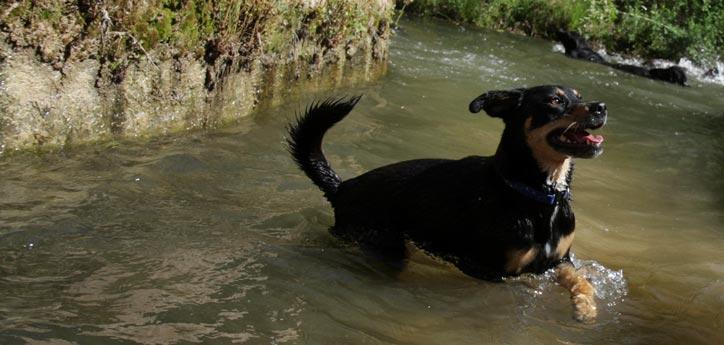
{"x": 673, "y": 74}
{"x": 577, "y": 48}
{"x": 492, "y": 216}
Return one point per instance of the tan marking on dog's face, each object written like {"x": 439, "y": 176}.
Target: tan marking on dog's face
{"x": 579, "y": 111}
{"x": 552, "y": 162}
{"x": 578, "y": 94}
{"x": 564, "y": 243}
{"x": 517, "y": 259}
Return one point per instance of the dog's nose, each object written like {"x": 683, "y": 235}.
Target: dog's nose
{"x": 599, "y": 107}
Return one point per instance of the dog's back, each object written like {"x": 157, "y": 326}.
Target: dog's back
{"x": 444, "y": 206}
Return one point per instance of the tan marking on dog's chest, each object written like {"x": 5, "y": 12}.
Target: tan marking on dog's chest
{"x": 517, "y": 259}
{"x": 552, "y": 162}
{"x": 557, "y": 174}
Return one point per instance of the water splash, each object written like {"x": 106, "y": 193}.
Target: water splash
{"x": 706, "y": 75}
{"x": 611, "y": 286}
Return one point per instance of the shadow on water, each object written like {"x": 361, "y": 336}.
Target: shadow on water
{"x": 215, "y": 237}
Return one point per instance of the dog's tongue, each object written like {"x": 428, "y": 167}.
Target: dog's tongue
{"x": 596, "y": 139}
{"x": 584, "y": 136}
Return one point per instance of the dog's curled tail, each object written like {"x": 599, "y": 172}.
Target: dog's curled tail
{"x": 305, "y": 140}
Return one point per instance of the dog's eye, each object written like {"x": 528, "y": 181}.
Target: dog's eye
{"x": 555, "y": 100}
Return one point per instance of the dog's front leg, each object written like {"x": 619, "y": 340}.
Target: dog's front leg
{"x": 582, "y": 292}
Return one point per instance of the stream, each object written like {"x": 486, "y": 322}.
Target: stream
{"x": 215, "y": 237}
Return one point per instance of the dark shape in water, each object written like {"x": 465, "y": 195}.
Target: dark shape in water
{"x": 577, "y": 48}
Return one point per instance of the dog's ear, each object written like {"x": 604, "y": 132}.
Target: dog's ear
{"x": 497, "y": 103}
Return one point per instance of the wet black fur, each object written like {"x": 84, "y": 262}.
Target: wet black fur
{"x": 577, "y": 48}
{"x": 673, "y": 74}
{"x": 305, "y": 141}
{"x": 460, "y": 210}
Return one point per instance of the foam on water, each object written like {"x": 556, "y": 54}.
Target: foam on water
{"x": 701, "y": 73}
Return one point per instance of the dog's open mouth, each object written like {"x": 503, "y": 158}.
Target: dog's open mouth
{"x": 578, "y": 138}
{"x": 576, "y": 141}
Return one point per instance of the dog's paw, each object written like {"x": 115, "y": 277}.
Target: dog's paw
{"x": 584, "y": 308}
{"x": 582, "y": 293}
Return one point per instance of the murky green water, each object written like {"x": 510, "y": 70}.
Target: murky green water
{"x": 217, "y": 238}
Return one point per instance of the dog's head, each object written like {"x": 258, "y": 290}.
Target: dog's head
{"x": 571, "y": 40}
{"x": 552, "y": 120}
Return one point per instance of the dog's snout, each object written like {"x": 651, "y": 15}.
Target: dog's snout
{"x": 599, "y": 107}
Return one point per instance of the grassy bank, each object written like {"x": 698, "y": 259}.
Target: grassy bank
{"x": 119, "y": 32}
{"x": 669, "y": 29}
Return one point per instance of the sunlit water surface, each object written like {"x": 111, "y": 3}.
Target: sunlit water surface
{"x": 215, "y": 237}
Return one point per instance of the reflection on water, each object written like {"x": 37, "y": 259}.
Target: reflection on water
{"x": 217, "y": 238}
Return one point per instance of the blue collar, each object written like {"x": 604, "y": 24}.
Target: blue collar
{"x": 550, "y": 198}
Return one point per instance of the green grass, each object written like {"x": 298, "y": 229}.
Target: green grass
{"x": 235, "y": 28}
{"x": 669, "y": 29}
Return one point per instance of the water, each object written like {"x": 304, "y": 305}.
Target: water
{"x": 215, "y": 237}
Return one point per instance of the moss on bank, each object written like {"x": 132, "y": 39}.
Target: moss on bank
{"x": 652, "y": 29}
{"x": 119, "y": 32}
{"x": 73, "y": 71}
